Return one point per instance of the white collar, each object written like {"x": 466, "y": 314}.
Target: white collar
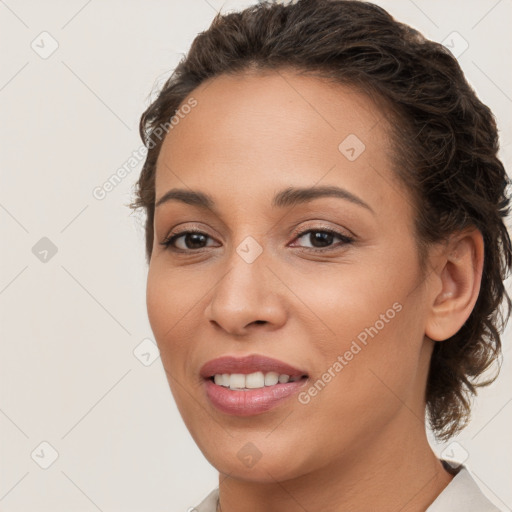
{"x": 462, "y": 493}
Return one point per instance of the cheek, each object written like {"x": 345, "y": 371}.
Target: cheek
{"x": 380, "y": 366}
{"x": 342, "y": 303}
{"x": 169, "y": 297}
{"x": 170, "y": 304}
{"x": 367, "y": 345}
{"x": 159, "y": 304}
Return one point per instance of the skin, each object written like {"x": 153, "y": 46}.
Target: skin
{"x": 360, "y": 443}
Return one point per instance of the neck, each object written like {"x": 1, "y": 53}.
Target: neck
{"x": 396, "y": 470}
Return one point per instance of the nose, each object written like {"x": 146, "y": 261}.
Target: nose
{"x": 247, "y": 297}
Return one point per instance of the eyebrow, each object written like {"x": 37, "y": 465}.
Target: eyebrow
{"x": 288, "y": 197}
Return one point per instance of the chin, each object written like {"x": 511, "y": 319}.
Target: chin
{"x": 255, "y": 461}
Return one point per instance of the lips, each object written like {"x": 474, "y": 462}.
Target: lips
{"x": 248, "y": 364}
{"x": 249, "y": 402}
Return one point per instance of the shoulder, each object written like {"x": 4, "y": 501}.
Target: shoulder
{"x": 209, "y": 504}
{"x": 462, "y": 493}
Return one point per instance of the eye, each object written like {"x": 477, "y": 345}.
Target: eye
{"x": 189, "y": 240}
{"x": 322, "y": 239}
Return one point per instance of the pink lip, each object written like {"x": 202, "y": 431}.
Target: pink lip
{"x": 248, "y": 364}
{"x": 253, "y": 401}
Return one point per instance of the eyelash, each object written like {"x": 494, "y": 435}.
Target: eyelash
{"x": 345, "y": 240}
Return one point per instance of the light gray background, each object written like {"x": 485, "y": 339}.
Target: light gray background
{"x": 70, "y": 325}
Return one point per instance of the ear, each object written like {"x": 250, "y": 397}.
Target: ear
{"x": 460, "y": 272}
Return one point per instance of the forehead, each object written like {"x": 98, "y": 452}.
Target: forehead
{"x": 253, "y": 132}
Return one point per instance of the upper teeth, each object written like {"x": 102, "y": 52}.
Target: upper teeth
{"x": 252, "y": 380}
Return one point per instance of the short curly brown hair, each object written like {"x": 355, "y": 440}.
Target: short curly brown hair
{"x": 445, "y": 141}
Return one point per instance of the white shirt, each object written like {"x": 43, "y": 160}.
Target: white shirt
{"x": 462, "y": 494}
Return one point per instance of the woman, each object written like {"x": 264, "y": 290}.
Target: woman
{"x": 327, "y": 248}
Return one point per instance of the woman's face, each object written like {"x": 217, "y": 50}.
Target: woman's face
{"x": 329, "y": 284}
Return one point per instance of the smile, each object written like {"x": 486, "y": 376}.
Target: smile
{"x": 254, "y": 380}
{"x": 249, "y": 385}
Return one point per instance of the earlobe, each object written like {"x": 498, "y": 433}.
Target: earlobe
{"x": 460, "y": 277}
